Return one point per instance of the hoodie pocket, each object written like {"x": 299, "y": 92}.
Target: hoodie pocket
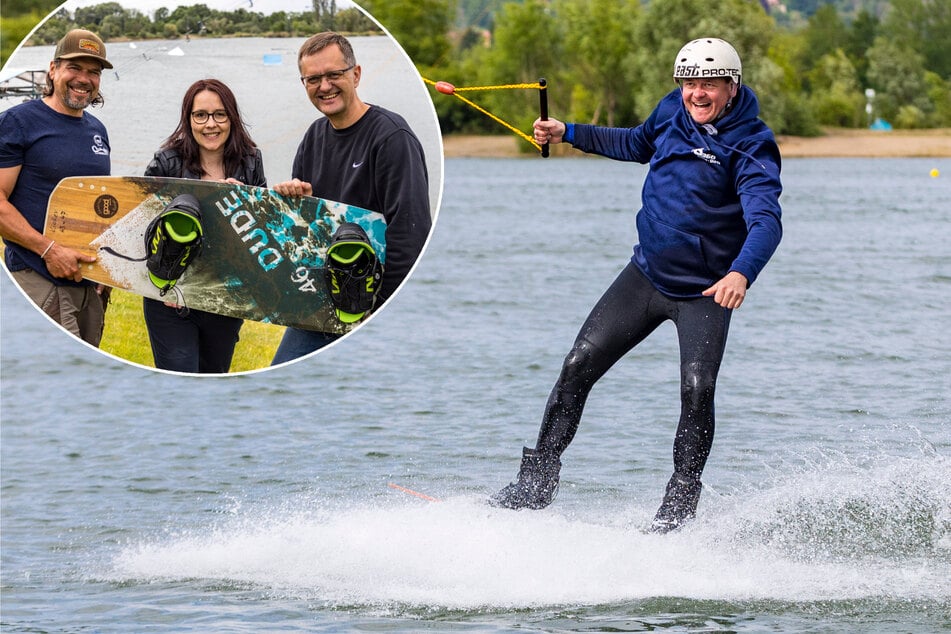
{"x": 675, "y": 258}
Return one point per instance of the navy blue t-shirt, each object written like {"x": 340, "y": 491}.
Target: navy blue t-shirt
{"x": 49, "y": 146}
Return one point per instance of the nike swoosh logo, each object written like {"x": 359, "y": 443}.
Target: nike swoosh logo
{"x": 356, "y": 165}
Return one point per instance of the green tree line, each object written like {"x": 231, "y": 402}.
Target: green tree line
{"x": 610, "y": 61}
{"x": 111, "y": 21}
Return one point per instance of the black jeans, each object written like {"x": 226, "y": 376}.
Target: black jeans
{"x": 198, "y": 342}
{"x": 626, "y": 314}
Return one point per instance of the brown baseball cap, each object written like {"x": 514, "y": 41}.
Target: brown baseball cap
{"x": 82, "y": 43}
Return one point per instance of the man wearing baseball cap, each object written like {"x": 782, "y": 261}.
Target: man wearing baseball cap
{"x": 42, "y": 142}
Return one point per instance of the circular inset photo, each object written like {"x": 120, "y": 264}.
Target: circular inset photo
{"x": 215, "y": 188}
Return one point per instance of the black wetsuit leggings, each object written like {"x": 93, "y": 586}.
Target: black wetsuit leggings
{"x": 624, "y": 316}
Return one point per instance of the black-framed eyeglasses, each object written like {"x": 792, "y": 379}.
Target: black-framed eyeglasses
{"x": 332, "y": 76}
{"x": 200, "y": 116}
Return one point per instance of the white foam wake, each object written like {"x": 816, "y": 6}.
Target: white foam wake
{"x": 839, "y": 534}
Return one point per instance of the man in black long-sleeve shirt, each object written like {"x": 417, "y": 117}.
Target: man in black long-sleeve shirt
{"x": 362, "y": 155}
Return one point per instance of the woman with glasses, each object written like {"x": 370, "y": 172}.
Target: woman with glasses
{"x": 210, "y": 143}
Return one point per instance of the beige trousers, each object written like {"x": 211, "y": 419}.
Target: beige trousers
{"x": 78, "y": 309}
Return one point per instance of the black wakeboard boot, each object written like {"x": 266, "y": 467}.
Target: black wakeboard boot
{"x": 679, "y": 505}
{"x": 536, "y": 485}
{"x": 173, "y": 240}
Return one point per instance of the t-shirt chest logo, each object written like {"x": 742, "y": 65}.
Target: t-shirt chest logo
{"x": 99, "y": 146}
{"x": 709, "y": 157}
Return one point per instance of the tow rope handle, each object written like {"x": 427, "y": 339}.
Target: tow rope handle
{"x": 543, "y": 108}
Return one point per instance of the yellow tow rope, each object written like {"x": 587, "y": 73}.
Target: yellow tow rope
{"x": 448, "y": 89}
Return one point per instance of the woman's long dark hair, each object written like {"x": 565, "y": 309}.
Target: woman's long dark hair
{"x": 238, "y": 145}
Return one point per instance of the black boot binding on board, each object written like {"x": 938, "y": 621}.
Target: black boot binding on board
{"x": 353, "y": 273}
{"x": 679, "y": 505}
{"x": 536, "y": 485}
{"x": 172, "y": 241}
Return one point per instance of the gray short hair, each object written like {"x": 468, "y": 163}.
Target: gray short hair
{"x": 317, "y": 43}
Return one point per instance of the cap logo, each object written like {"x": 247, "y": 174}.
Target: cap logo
{"x": 89, "y": 45}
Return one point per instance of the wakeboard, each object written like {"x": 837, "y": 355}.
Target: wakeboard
{"x": 262, "y": 258}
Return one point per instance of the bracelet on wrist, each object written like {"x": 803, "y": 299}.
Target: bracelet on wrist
{"x": 47, "y": 250}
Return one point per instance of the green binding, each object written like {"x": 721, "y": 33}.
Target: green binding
{"x": 353, "y": 273}
{"x": 172, "y": 241}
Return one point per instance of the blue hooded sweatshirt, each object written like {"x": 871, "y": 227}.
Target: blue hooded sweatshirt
{"x": 711, "y": 197}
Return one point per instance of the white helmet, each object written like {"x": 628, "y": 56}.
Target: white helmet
{"x": 708, "y": 57}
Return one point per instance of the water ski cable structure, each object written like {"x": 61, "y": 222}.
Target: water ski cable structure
{"x": 25, "y": 84}
{"x": 541, "y": 86}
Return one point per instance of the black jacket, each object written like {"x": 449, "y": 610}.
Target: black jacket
{"x": 169, "y": 163}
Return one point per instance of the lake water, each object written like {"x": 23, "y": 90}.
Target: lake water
{"x": 134, "y": 501}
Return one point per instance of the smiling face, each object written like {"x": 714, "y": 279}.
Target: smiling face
{"x": 336, "y": 98}
{"x": 707, "y": 99}
{"x": 75, "y": 84}
{"x": 211, "y": 135}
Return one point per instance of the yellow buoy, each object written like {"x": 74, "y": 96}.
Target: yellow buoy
{"x": 934, "y": 172}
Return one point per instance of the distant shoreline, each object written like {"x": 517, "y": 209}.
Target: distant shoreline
{"x": 841, "y": 143}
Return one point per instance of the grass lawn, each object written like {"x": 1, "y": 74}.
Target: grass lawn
{"x": 126, "y": 337}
